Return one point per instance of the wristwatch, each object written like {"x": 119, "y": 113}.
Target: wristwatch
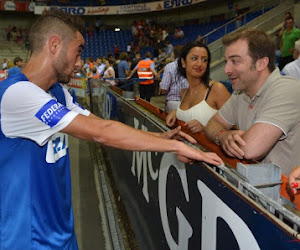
{"x": 217, "y": 136}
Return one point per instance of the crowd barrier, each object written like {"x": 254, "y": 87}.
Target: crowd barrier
{"x": 176, "y": 206}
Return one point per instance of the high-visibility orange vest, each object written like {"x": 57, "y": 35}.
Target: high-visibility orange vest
{"x": 144, "y": 72}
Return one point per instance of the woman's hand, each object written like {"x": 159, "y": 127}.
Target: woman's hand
{"x": 194, "y": 126}
{"x": 294, "y": 180}
{"x": 171, "y": 118}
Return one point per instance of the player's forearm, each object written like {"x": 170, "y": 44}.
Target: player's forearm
{"x": 121, "y": 136}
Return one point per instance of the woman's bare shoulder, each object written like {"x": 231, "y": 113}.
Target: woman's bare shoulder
{"x": 218, "y": 87}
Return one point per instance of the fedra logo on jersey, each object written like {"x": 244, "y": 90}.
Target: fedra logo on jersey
{"x": 51, "y": 113}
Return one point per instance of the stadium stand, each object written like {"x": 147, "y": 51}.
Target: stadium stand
{"x": 103, "y": 43}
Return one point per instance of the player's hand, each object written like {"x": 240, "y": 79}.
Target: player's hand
{"x": 190, "y": 155}
{"x": 177, "y": 134}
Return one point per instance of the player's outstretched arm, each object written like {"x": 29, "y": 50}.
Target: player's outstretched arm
{"x": 119, "y": 135}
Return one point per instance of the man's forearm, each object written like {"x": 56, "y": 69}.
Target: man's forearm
{"x": 213, "y": 128}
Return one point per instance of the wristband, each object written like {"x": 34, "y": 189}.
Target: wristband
{"x": 217, "y": 136}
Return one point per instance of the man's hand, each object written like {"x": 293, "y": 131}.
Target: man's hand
{"x": 294, "y": 180}
{"x": 231, "y": 142}
{"x": 195, "y": 126}
{"x": 177, "y": 134}
{"x": 157, "y": 77}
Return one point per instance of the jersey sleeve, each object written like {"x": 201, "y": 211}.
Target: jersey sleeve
{"x": 29, "y": 112}
{"x": 72, "y": 105}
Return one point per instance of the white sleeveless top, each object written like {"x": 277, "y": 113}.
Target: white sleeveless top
{"x": 201, "y": 111}
{"x": 106, "y": 74}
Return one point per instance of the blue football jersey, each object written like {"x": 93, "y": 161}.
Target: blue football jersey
{"x": 35, "y": 193}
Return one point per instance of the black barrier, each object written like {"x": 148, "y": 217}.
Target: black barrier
{"x": 185, "y": 207}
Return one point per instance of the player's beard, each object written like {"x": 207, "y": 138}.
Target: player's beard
{"x": 60, "y": 65}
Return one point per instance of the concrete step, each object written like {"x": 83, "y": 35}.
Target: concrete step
{"x": 10, "y": 50}
{"x": 11, "y": 53}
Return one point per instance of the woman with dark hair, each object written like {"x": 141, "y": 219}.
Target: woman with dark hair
{"x": 201, "y": 100}
{"x": 109, "y": 72}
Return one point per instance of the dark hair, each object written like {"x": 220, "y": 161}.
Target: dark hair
{"x": 289, "y": 18}
{"x": 259, "y": 44}
{"x": 17, "y": 59}
{"x": 54, "y": 22}
{"x": 177, "y": 50}
{"x": 288, "y": 13}
{"x": 111, "y": 61}
{"x": 185, "y": 50}
{"x": 148, "y": 54}
{"x": 123, "y": 56}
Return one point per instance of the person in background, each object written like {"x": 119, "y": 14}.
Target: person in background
{"x": 116, "y": 50}
{"x": 4, "y": 64}
{"x": 123, "y": 72}
{"x": 237, "y": 16}
{"x": 128, "y": 50}
{"x": 178, "y": 33}
{"x": 87, "y": 66}
{"x": 200, "y": 38}
{"x": 203, "y": 97}
{"x": 37, "y": 113}
{"x": 109, "y": 72}
{"x": 94, "y": 74}
{"x": 172, "y": 82}
{"x": 18, "y": 62}
{"x": 146, "y": 73}
{"x": 286, "y": 15}
{"x": 135, "y": 61}
{"x": 168, "y": 49}
{"x": 97, "y": 25}
{"x": 9, "y": 64}
{"x": 290, "y": 35}
{"x": 100, "y": 66}
{"x": 116, "y": 67}
{"x": 293, "y": 68}
{"x": 265, "y": 106}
